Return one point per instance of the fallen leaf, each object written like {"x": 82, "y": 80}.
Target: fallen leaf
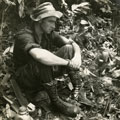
{"x": 107, "y": 80}
{"x": 8, "y": 49}
{"x": 116, "y": 73}
{"x": 5, "y": 79}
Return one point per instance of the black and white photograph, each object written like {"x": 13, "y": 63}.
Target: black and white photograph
{"x": 59, "y": 60}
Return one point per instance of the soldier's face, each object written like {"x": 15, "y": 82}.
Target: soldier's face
{"x": 48, "y": 24}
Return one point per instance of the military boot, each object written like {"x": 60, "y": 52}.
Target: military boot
{"x": 64, "y": 107}
{"x": 78, "y": 93}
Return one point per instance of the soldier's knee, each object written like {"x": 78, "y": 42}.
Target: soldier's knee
{"x": 69, "y": 46}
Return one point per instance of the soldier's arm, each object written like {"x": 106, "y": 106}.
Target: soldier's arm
{"x": 46, "y": 57}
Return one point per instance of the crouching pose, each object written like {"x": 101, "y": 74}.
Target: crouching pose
{"x": 34, "y": 58}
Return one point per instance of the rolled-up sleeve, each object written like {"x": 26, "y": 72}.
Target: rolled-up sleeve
{"x": 29, "y": 46}
{"x": 25, "y": 41}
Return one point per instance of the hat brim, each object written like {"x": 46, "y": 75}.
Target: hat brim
{"x": 56, "y": 14}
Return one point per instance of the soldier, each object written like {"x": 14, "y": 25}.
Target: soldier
{"x": 34, "y": 57}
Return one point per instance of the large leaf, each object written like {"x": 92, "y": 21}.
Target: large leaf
{"x": 81, "y": 8}
{"x": 21, "y": 8}
{"x": 8, "y": 2}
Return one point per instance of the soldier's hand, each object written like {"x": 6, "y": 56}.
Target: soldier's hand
{"x": 73, "y": 65}
{"x": 76, "y": 62}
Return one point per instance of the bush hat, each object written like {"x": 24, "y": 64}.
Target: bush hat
{"x": 44, "y": 10}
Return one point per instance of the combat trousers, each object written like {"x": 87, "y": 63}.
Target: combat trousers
{"x": 34, "y": 74}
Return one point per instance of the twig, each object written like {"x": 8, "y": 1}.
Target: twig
{"x": 107, "y": 104}
{"x": 117, "y": 99}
